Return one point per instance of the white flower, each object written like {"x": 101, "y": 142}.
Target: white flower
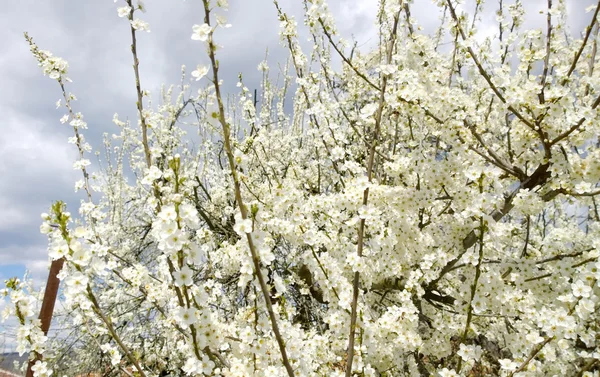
{"x": 222, "y": 22}
{"x": 212, "y": 114}
{"x": 81, "y": 257}
{"x": 266, "y": 256}
{"x": 124, "y": 11}
{"x": 585, "y": 307}
{"x": 528, "y": 202}
{"x": 368, "y": 110}
{"x": 200, "y": 72}
{"x": 368, "y": 212}
{"x": 534, "y": 338}
{"x": 357, "y": 263}
{"x": 188, "y": 213}
{"x": 196, "y": 254}
{"x": 201, "y": 32}
{"x": 479, "y": 305}
{"x": 183, "y": 277}
{"x": 242, "y": 227}
{"x": 195, "y": 367}
{"x": 58, "y": 249}
{"x": 507, "y": 364}
{"x": 239, "y": 157}
{"x": 206, "y": 365}
{"x": 176, "y": 240}
{"x": 138, "y": 24}
{"x": 45, "y": 228}
{"x": 568, "y": 297}
{"x": 337, "y": 153}
{"x": 388, "y": 69}
{"x": 185, "y": 316}
{"x": 167, "y": 228}
{"x": 262, "y": 66}
{"x": 75, "y": 245}
{"x": 468, "y": 353}
{"x": 80, "y": 232}
{"x": 77, "y": 283}
{"x": 115, "y": 356}
{"x": 80, "y": 164}
{"x": 40, "y": 369}
{"x": 78, "y": 123}
{"x": 191, "y": 367}
{"x": 168, "y": 213}
{"x": 580, "y": 289}
{"x": 152, "y": 175}
{"x": 310, "y": 237}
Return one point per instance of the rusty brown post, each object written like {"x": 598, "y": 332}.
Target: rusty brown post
{"x": 48, "y": 305}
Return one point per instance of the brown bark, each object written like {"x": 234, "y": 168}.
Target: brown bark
{"x": 48, "y": 305}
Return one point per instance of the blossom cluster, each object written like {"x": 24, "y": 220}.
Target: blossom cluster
{"x": 415, "y": 212}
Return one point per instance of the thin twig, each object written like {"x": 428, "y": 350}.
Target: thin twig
{"x": 140, "y": 105}
{"x": 238, "y": 195}
{"x": 588, "y": 32}
{"x": 361, "y": 226}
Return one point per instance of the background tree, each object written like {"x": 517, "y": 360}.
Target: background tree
{"x": 419, "y": 211}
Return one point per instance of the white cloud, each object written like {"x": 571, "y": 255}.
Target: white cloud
{"x": 34, "y": 158}
{"x": 34, "y": 258}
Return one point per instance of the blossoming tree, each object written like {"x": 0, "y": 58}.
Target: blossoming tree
{"x": 422, "y": 210}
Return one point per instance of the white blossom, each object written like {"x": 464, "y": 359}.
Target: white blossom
{"x": 201, "y": 32}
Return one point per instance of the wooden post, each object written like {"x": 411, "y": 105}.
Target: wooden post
{"x": 48, "y": 305}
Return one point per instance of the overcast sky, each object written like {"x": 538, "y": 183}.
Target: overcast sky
{"x": 35, "y": 159}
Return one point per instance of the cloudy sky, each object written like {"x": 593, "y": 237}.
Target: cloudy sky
{"x": 35, "y": 159}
